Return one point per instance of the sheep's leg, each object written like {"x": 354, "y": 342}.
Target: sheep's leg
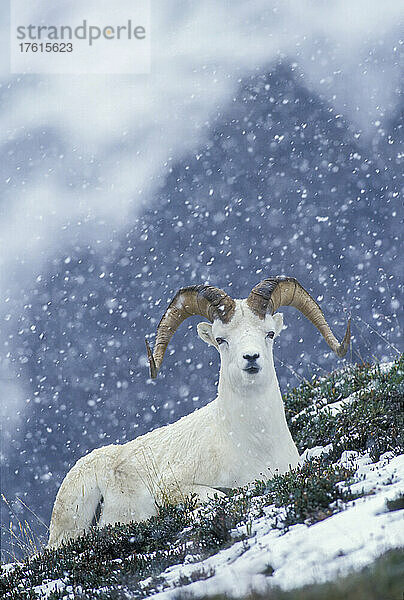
{"x": 76, "y": 502}
{"x": 126, "y": 505}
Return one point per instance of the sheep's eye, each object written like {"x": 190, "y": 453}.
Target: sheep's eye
{"x": 270, "y": 334}
{"x": 220, "y": 340}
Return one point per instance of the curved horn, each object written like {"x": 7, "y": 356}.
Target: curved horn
{"x": 204, "y": 300}
{"x": 272, "y": 293}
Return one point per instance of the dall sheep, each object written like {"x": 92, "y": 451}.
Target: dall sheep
{"x": 238, "y": 437}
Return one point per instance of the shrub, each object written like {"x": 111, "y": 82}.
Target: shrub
{"x": 310, "y": 493}
{"x": 371, "y": 418}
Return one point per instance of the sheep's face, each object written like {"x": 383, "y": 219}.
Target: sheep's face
{"x": 245, "y": 345}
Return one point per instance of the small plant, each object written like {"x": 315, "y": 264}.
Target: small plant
{"x": 197, "y": 575}
{"x": 369, "y": 418}
{"x": 309, "y": 493}
{"x": 396, "y": 503}
{"x": 23, "y": 540}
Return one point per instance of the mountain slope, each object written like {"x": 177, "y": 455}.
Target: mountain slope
{"x": 340, "y": 511}
{"x": 281, "y": 184}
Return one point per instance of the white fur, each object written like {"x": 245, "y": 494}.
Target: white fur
{"x": 240, "y": 436}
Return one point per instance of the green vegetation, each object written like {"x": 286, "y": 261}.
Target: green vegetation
{"x": 308, "y": 494}
{"x": 370, "y": 417}
{"x": 111, "y": 562}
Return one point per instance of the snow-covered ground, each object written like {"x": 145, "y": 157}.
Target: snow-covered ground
{"x": 346, "y": 541}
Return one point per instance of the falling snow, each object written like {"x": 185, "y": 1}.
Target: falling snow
{"x": 284, "y": 172}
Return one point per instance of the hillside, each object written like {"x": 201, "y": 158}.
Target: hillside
{"x": 282, "y": 183}
{"x": 342, "y": 511}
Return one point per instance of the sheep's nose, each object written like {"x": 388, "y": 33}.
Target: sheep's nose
{"x": 251, "y": 357}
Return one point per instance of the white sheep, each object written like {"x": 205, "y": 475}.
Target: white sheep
{"x": 238, "y": 437}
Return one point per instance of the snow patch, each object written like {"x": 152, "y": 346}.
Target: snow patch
{"x": 346, "y": 541}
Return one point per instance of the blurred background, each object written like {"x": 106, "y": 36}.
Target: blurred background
{"x": 267, "y": 140}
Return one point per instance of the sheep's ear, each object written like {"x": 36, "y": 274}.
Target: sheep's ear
{"x": 278, "y": 318}
{"x": 205, "y": 333}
